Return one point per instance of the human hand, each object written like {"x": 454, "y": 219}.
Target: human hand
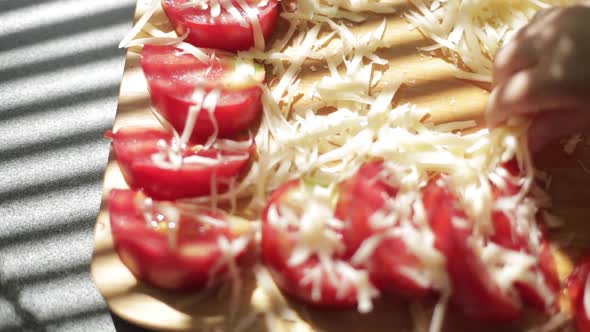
{"x": 544, "y": 73}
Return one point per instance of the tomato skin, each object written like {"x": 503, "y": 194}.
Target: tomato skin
{"x": 148, "y": 254}
{"x": 360, "y": 197}
{"x": 221, "y": 32}
{"x": 171, "y": 81}
{"x": 474, "y": 291}
{"x": 576, "y": 284}
{"x": 134, "y": 147}
{"x": 277, "y": 246}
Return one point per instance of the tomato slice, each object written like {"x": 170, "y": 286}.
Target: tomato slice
{"x": 474, "y": 290}
{"x": 223, "y": 31}
{"x": 360, "y": 198}
{"x": 173, "y": 78}
{"x": 310, "y": 279}
{"x": 542, "y": 292}
{"x": 173, "y": 248}
{"x": 577, "y": 284}
{"x": 506, "y": 233}
{"x": 136, "y": 148}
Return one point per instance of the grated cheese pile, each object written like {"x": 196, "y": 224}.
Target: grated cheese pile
{"x": 326, "y": 130}
{"x": 471, "y": 31}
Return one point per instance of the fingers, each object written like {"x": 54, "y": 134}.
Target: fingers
{"x": 528, "y": 93}
{"x": 542, "y": 24}
{"x": 544, "y": 13}
{"x": 510, "y": 97}
{"x": 525, "y": 48}
{"x": 548, "y": 126}
{"x": 539, "y": 75}
{"x": 513, "y": 57}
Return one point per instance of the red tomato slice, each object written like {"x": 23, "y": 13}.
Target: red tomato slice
{"x": 188, "y": 259}
{"x": 576, "y": 285}
{"x": 134, "y": 148}
{"x": 360, "y": 197}
{"x": 474, "y": 291}
{"x": 278, "y": 245}
{"x": 547, "y": 277}
{"x": 508, "y": 235}
{"x": 173, "y": 77}
{"x": 222, "y": 32}
{"x": 505, "y": 233}
{"x": 391, "y": 257}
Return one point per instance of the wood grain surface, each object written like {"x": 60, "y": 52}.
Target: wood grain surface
{"x": 428, "y": 81}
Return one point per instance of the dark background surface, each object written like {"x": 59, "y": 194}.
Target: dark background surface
{"x": 60, "y": 71}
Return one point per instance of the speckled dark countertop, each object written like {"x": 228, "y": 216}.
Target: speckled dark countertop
{"x": 60, "y": 71}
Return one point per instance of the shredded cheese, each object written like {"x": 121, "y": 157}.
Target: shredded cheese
{"x": 164, "y": 40}
{"x": 143, "y": 20}
{"x": 471, "y": 31}
{"x": 193, "y": 113}
{"x": 209, "y": 104}
{"x": 252, "y": 13}
{"x": 229, "y": 253}
{"x": 439, "y": 314}
{"x": 571, "y": 143}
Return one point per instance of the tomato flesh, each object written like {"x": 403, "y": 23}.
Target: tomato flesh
{"x": 134, "y": 148}
{"x": 189, "y": 262}
{"x": 360, "y": 197}
{"x": 576, "y": 285}
{"x": 278, "y": 245}
{"x": 173, "y": 77}
{"x": 475, "y": 292}
{"x": 223, "y": 32}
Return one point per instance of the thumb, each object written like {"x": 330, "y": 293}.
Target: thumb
{"x": 549, "y": 126}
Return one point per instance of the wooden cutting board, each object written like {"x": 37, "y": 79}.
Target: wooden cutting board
{"x": 428, "y": 82}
